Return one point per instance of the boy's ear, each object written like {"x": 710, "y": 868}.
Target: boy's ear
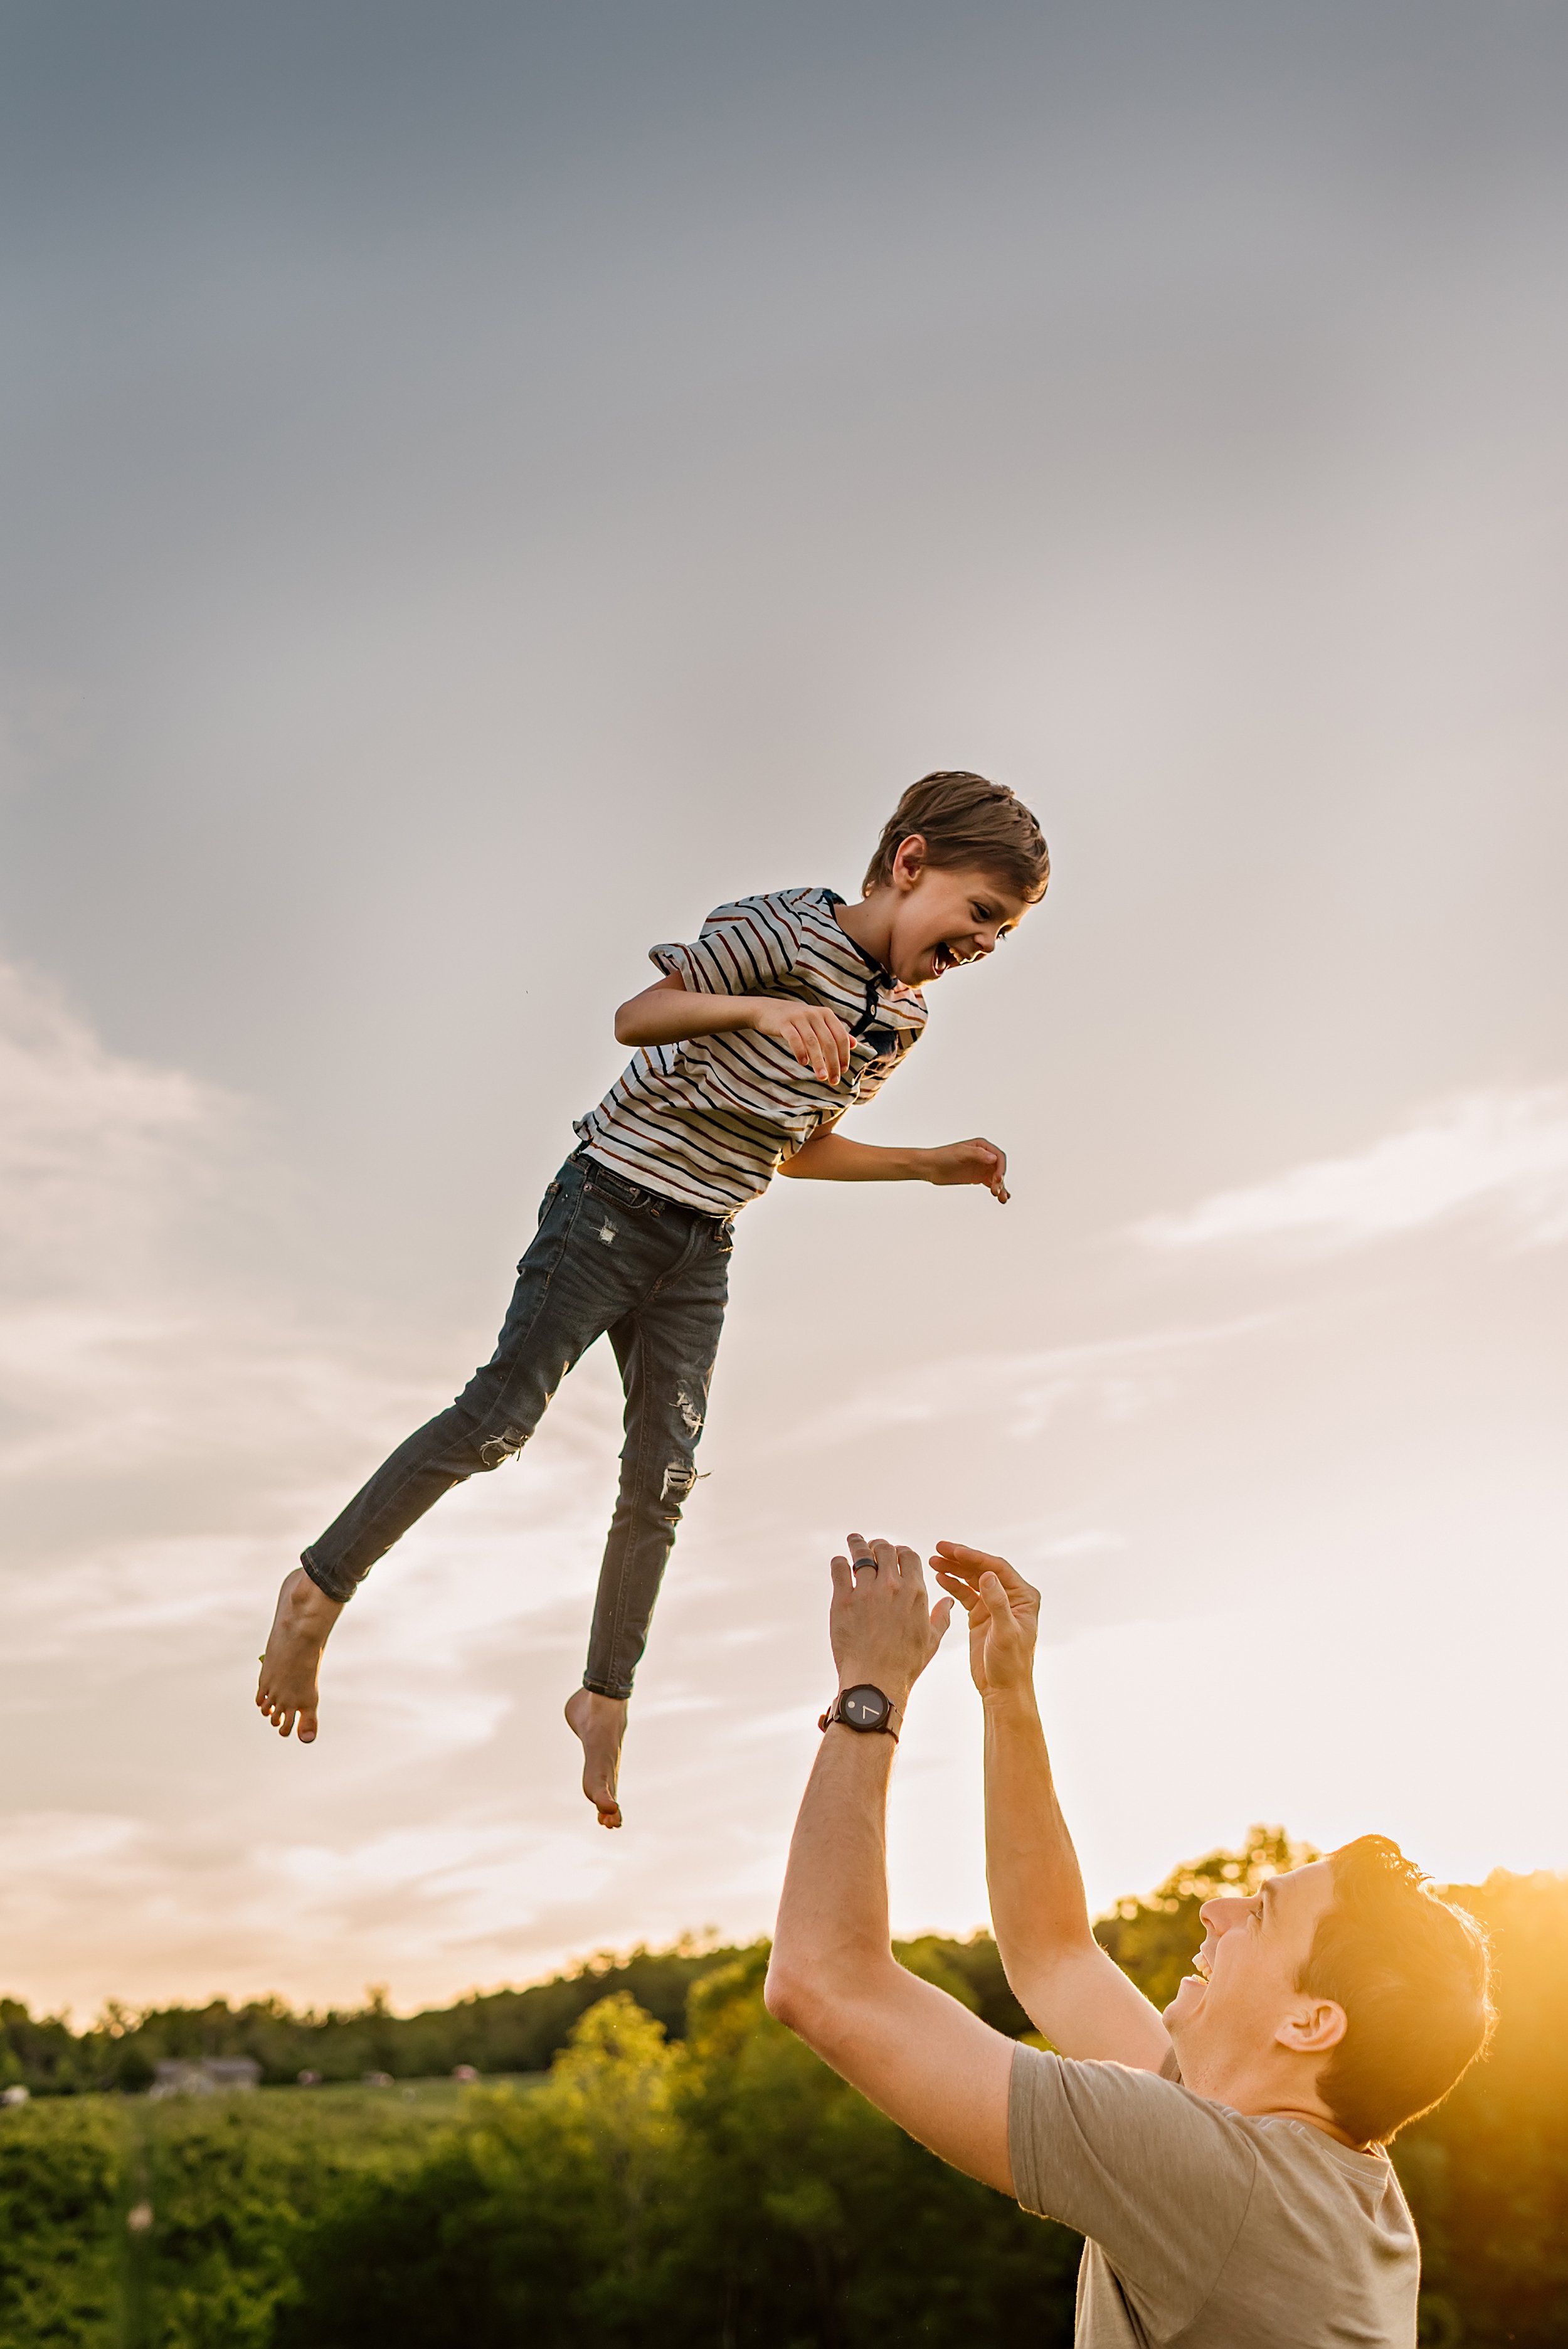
{"x": 909, "y": 863}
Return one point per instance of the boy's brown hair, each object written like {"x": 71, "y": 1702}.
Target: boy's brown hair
{"x": 965, "y": 820}
{"x": 1411, "y": 1972}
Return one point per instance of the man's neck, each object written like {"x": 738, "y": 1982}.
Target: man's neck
{"x": 1262, "y": 2100}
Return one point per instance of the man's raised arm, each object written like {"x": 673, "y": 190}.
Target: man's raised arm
{"x": 1071, "y": 1991}
{"x": 930, "y": 2064}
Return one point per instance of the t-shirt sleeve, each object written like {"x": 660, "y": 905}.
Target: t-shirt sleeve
{"x": 746, "y": 948}
{"x": 1156, "y": 2176}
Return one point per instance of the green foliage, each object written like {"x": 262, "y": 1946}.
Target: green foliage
{"x": 678, "y": 2180}
{"x": 61, "y": 2167}
{"x": 235, "y": 2183}
{"x": 729, "y": 2190}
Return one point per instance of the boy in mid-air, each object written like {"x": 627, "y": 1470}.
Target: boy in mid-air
{"x": 784, "y": 1013}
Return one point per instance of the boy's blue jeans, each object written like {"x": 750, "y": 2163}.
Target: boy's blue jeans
{"x": 608, "y": 1256}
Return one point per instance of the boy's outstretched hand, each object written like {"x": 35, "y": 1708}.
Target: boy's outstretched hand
{"x": 1004, "y": 1613}
{"x": 975, "y": 1161}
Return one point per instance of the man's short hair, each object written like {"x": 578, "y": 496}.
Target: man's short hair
{"x": 965, "y": 820}
{"x": 1411, "y": 1972}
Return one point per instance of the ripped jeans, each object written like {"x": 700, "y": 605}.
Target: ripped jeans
{"x": 608, "y": 1256}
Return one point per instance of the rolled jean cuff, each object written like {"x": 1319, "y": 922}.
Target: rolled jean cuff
{"x": 602, "y": 1688}
{"x": 340, "y": 1585}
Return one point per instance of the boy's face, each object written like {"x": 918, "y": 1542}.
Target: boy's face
{"x": 944, "y": 916}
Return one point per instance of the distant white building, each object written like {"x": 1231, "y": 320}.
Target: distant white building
{"x": 209, "y": 2075}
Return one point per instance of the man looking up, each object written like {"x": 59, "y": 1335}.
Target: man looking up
{"x": 1225, "y": 2160}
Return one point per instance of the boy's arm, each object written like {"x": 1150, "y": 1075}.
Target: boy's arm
{"x": 925, "y": 2060}
{"x": 831, "y": 1157}
{"x": 1067, "y": 1984}
{"x": 669, "y": 1012}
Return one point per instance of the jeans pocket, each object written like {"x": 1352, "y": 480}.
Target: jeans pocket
{"x": 557, "y": 1213}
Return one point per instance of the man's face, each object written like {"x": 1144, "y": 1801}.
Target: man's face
{"x": 946, "y": 916}
{"x": 1242, "y": 1987}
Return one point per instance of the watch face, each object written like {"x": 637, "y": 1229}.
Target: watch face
{"x": 864, "y": 1708}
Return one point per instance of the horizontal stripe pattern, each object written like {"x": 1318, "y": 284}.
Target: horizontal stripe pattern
{"x": 706, "y": 1122}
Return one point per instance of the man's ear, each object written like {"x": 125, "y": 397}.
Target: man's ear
{"x": 909, "y": 864}
{"x": 1313, "y": 2028}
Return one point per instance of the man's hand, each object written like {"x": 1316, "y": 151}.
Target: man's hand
{"x": 882, "y": 1624}
{"x": 819, "y": 1039}
{"x": 975, "y": 1161}
{"x": 1004, "y": 1613}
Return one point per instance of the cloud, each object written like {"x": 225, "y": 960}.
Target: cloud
{"x": 100, "y": 1155}
{"x": 144, "y": 1330}
{"x": 1500, "y": 1154}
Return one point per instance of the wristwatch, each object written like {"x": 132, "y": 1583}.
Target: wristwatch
{"x": 864, "y": 1708}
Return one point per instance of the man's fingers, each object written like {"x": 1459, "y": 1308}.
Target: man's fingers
{"x": 968, "y": 1594}
{"x": 890, "y": 1563}
{"x": 975, "y": 1563}
{"x": 843, "y": 1578}
{"x": 910, "y": 1568}
{"x": 994, "y": 1591}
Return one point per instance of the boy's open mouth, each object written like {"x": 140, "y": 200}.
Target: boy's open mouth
{"x": 944, "y": 957}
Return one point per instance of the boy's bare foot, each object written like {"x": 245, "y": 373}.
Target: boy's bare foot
{"x": 601, "y": 1723}
{"x": 285, "y": 1691}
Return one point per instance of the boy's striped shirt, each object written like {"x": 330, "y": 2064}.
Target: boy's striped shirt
{"x": 706, "y": 1122}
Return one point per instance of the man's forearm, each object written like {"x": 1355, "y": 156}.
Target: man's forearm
{"x": 1069, "y": 1986}
{"x": 1037, "y": 1903}
{"x": 834, "y": 1158}
{"x": 832, "y": 1922}
{"x": 930, "y": 2064}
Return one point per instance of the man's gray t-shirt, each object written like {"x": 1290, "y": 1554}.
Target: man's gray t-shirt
{"x": 1208, "y": 2227}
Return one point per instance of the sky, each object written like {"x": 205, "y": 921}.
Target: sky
{"x": 484, "y": 484}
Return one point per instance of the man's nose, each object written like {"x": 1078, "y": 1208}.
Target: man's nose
{"x": 1217, "y": 1915}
